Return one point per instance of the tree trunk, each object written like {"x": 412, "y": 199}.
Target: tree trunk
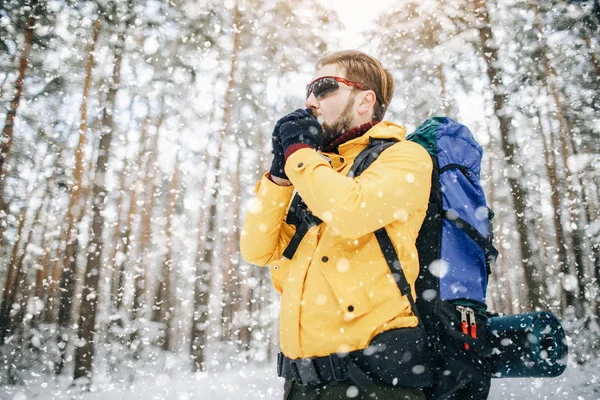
{"x": 592, "y": 54}
{"x": 596, "y": 10}
{"x": 124, "y": 240}
{"x": 230, "y": 285}
{"x": 202, "y": 281}
{"x": 518, "y": 192}
{"x": 42, "y": 282}
{"x": 74, "y": 212}
{"x": 84, "y": 354}
{"x": 230, "y": 270}
{"x": 261, "y": 307}
{"x": 202, "y": 287}
{"x": 165, "y": 298}
{"x": 7, "y": 133}
{"x": 444, "y": 93}
{"x": 10, "y": 286}
{"x": 116, "y": 293}
{"x": 11, "y": 310}
{"x": 41, "y": 277}
{"x": 141, "y": 284}
{"x": 555, "y": 196}
{"x": 583, "y": 278}
{"x": 51, "y": 312}
{"x": 21, "y": 285}
{"x": 239, "y": 306}
{"x": 499, "y": 292}
{"x": 594, "y": 236}
{"x": 574, "y": 223}
{"x": 42, "y": 274}
{"x": 204, "y": 264}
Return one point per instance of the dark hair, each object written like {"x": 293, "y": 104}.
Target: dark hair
{"x": 366, "y": 70}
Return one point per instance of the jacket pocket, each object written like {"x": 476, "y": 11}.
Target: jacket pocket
{"x": 463, "y": 334}
{"x": 347, "y": 287}
{"x": 461, "y": 358}
{"x": 279, "y": 273}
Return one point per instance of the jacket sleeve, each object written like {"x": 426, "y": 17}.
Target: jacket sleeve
{"x": 396, "y": 185}
{"x": 265, "y": 234}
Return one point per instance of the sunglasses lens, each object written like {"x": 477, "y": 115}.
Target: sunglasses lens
{"x": 322, "y": 87}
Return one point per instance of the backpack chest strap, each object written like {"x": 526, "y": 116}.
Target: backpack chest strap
{"x": 303, "y": 219}
{"x": 299, "y": 216}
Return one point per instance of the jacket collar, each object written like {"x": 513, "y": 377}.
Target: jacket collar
{"x": 353, "y": 133}
{"x": 383, "y": 130}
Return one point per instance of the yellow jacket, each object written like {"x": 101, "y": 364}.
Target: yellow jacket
{"x": 337, "y": 292}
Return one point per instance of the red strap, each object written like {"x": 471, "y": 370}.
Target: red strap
{"x": 473, "y": 326}
{"x": 465, "y": 330}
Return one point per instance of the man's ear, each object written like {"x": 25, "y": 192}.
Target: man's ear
{"x": 367, "y": 101}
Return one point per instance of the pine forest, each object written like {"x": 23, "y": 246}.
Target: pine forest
{"x": 134, "y": 132}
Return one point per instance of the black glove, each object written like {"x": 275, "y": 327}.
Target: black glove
{"x": 300, "y": 127}
{"x": 278, "y": 164}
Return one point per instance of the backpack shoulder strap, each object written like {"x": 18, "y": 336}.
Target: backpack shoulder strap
{"x": 369, "y": 155}
{"x": 303, "y": 220}
{"x": 393, "y": 262}
{"x": 364, "y": 159}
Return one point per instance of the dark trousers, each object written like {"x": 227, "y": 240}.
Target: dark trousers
{"x": 347, "y": 390}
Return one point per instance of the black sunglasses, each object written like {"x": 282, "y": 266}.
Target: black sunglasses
{"x": 328, "y": 84}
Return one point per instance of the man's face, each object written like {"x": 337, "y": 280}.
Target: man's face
{"x": 336, "y": 110}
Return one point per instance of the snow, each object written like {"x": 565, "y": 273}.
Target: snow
{"x": 253, "y": 381}
{"x": 577, "y": 382}
{"x": 259, "y": 381}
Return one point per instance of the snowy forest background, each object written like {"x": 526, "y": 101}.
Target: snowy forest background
{"x": 133, "y": 132}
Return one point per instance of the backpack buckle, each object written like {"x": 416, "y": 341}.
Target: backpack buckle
{"x": 305, "y": 371}
{"x": 338, "y": 368}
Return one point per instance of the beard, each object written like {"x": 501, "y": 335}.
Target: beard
{"x": 340, "y": 125}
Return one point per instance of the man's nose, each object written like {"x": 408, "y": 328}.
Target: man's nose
{"x": 311, "y": 102}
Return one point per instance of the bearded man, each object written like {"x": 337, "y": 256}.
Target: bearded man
{"x": 314, "y": 225}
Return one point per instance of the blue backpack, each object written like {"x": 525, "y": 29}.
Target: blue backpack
{"x": 455, "y": 242}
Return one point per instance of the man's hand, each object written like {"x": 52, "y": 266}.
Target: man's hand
{"x": 278, "y": 163}
{"x": 299, "y": 129}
